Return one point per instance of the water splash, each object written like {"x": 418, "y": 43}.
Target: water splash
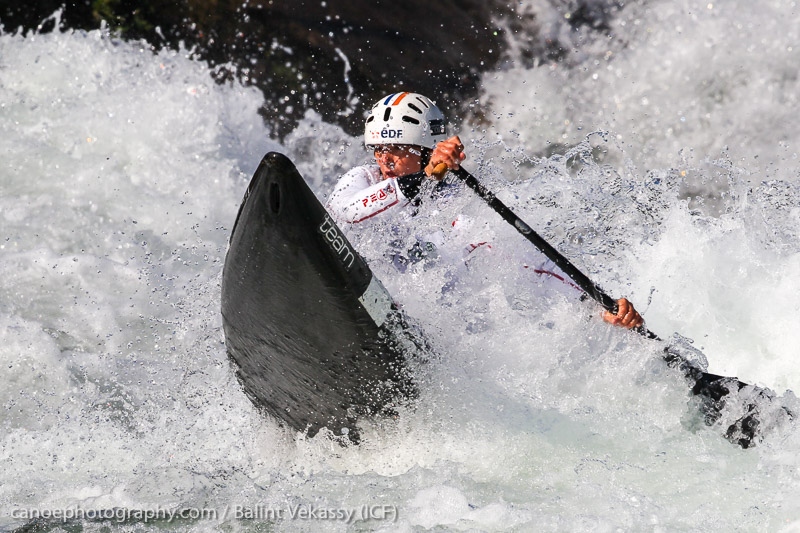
{"x": 122, "y": 175}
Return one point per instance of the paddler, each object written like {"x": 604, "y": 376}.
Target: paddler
{"x": 406, "y": 132}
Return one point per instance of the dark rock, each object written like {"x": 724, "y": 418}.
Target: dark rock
{"x": 334, "y": 56}
{"x": 338, "y": 57}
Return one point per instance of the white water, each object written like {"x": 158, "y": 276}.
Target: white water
{"x": 121, "y": 175}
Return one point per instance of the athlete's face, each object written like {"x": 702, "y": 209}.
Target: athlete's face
{"x": 398, "y": 160}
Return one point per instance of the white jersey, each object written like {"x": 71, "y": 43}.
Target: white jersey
{"x": 362, "y": 193}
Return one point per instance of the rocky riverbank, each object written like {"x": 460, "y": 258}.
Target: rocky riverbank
{"x": 334, "y": 56}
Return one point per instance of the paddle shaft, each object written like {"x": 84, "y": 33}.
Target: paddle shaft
{"x": 580, "y": 279}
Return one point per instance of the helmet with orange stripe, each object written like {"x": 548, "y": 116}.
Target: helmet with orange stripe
{"x": 404, "y": 118}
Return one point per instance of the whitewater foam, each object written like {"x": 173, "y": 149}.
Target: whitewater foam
{"x": 122, "y": 172}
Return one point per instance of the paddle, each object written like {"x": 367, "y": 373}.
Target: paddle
{"x": 711, "y": 388}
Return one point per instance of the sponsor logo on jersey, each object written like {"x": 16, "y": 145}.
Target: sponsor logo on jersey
{"x": 337, "y": 241}
{"x": 378, "y": 196}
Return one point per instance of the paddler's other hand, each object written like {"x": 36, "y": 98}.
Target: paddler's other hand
{"x": 626, "y": 317}
{"x": 447, "y": 154}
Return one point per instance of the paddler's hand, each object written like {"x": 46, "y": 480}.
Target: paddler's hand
{"x": 626, "y": 317}
{"x": 447, "y": 154}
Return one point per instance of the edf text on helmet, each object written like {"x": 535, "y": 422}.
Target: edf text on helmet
{"x": 389, "y": 133}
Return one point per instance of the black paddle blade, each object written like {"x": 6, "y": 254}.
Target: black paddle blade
{"x": 748, "y": 411}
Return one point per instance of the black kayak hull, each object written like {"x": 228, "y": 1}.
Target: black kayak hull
{"x": 312, "y": 332}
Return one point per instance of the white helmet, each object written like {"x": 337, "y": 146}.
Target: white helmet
{"x": 404, "y": 118}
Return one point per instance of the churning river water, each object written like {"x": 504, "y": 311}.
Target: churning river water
{"x": 665, "y": 165}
